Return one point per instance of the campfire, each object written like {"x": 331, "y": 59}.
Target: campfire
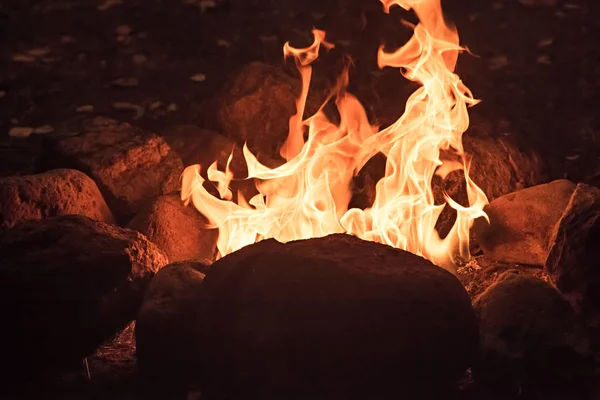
{"x": 307, "y": 251}
{"x": 308, "y": 196}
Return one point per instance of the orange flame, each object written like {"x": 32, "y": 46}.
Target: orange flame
{"x": 308, "y": 196}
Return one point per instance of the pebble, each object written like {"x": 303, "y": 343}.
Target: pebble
{"x": 124, "y": 106}
{"x": 20, "y": 132}
{"x": 39, "y": 52}
{"x": 125, "y": 82}
{"x": 108, "y": 4}
{"x": 23, "y": 58}
{"x": 198, "y": 77}
{"x": 44, "y": 129}
{"x": 85, "y": 108}
{"x": 2, "y": 93}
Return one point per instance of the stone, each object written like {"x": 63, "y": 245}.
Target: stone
{"x": 129, "y": 165}
{"x": 497, "y": 167}
{"x": 50, "y": 194}
{"x": 573, "y": 260}
{"x": 538, "y": 3}
{"x": 67, "y": 284}
{"x": 331, "y": 317}
{"x": 255, "y": 106}
{"x": 521, "y": 223}
{"x": 178, "y": 230}
{"x": 530, "y": 336}
{"x": 168, "y": 325}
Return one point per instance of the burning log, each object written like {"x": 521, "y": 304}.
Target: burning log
{"x": 572, "y": 262}
{"x": 531, "y": 338}
{"x": 67, "y": 284}
{"x": 168, "y": 325}
{"x": 129, "y": 165}
{"x": 328, "y": 316}
{"x": 178, "y": 230}
{"x": 54, "y": 193}
{"x": 521, "y": 223}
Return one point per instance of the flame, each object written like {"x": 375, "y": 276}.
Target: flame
{"x": 308, "y": 196}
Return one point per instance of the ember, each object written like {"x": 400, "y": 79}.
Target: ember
{"x": 308, "y": 196}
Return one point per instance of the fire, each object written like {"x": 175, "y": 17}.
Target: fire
{"x": 308, "y": 196}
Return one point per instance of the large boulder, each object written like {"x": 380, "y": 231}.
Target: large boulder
{"x": 521, "y": 223}
{"x": 331, "y": 317}
{"x": 67, "y": 284}
{"x": 53, "y": 193}
{"x": 531, "y": 337}
{"x": 178, "y": 230}
{"x": 129, "y": 165}
{"x": 168, "y": 326}
{"x": 573, "y": 262}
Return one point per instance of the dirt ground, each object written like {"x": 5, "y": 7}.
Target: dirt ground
{"x": 155, "y": 63}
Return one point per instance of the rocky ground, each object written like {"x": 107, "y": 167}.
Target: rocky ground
{"x": 159, "y": 64}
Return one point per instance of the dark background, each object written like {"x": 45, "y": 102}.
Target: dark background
{"x": 535, "y": 68}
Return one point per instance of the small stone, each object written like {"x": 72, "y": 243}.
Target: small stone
{"x": 521, "y": 223}
{"x": 224, "y": 43}
{"x": 498, "y": 62}
{"x": 108, "y": 4}
{"x": 545, "y": 42}
{"x": 2, "y": 93}
{"x": 530, "y": 337}
{"x": 538, "y": 3}
{"x": 268, "y": 39}
{"x": 124, "y": 106}
{"x": 155, "y": 105}
{"x": 23, "y": 58}
{"x": 20, "y": 132}
{"x": 198, "y": 77}
{"x": 172, "y": 107}
{"x": 123, "y": 32}
{"x": 85, "y": 108}
{"x": 139, "y": 59}
{"x": 66, "y": 39}
{"x": 498, "y": 6}
{"x": 125, "y": 82}
{"x": 39, "y": 52}
{"x": 544, "y": 59}
{"x": 43, "y": 130}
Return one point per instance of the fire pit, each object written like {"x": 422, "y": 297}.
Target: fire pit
{"x": 322, "y": 256}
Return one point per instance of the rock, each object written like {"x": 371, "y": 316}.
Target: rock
{"x": 129, "y": 165}
{"x": 497, "y": 167}
{"x": 530, "y": 336}
{"x": 332, "y": 317}
{"x": 67, "y": 284}
{"x": 178, "y": 230}
{"x": 53, "y": 193}
{"x": 255, "y": 106}
{"x": 521, "y": 223}
{"x": 168, "y": 325}
{"x": 573, "y": 260}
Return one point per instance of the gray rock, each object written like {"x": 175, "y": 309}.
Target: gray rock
{"x": 178, "y": 230}
{"x": 66, "y": 285}
{"x": 530, "y": 336}
{"x": 331, "y": 317}
{"x": 53, "y": 193}
{"x": 573, "y": 261}
{"x": 130, "y": 166}
{"x": 521, "y": 223}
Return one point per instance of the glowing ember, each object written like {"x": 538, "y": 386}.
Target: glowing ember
{"x": 308, "y": 196}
